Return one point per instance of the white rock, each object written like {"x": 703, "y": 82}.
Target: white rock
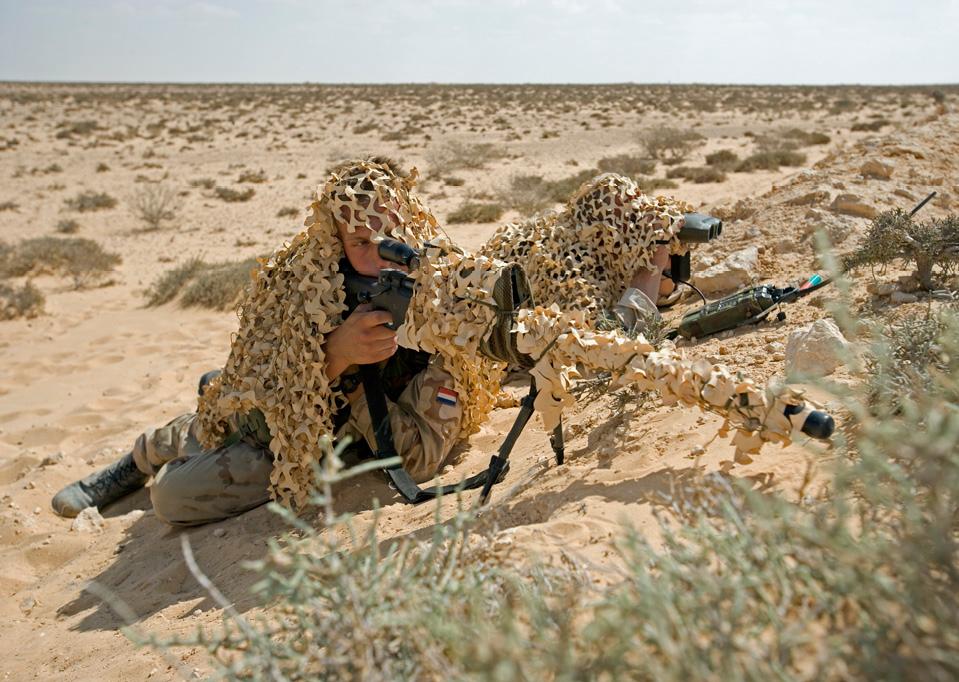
{"x": 852, "y": 204}
{"x": 816, "y": 350}
{"x": 876, "y": 169}
{"x": 88, "y": 521}
{"x": 738, "y": 270}
{"x": 903, "y": 297}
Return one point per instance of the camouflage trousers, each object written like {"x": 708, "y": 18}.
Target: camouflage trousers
{"x": 192, "y": 486}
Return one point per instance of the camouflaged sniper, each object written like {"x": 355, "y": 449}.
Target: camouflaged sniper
{"x": 277, "y": 363}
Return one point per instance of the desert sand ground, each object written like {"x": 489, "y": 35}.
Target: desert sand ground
{"x": 81, "y": 380}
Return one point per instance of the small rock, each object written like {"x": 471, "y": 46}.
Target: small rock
{"x": 881, "y": 288}
{"x": 909, "y": 283}
{"x": 905, "y": 193}
{"x": 819, "y": 196}
{"x": 219, "y": 532}
{"x": 852, "y": 204}
{"x": 778, "y": 357}
{"x": 815, "y": 350}
{"x": 88, "y": 521}
{"x": 697, "y": 452}
{"x": 785, "y": 245}
{"x": 50, "y": 460}
{"x": 28, "y": 604}
{"x": 723, "y": 350}
{"x": 737, "y": 270}
{"x": 775, "y": 347}
{"x": 899, "y": 297}
{"x": 876, "y": 169}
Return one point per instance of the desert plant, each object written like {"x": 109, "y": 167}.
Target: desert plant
{"x": 870, "y": 126}
{"x": 893, "y": 235}
{"x": 24, "y": 301}
{"x": 204, "y": 183}
{"x": 207, "y": 285}
{"x": 770, "y": 160}
{"x": 8, "y": 206}
{"x": 626, "y": 164}
{"x": 697, "y": 174}
{"x": 459, "y": 155}
{"x": 288, "y": 212}
{"x": 90, "y": 201}
{"x": 724, "y": 159}
{"x": 255, "y": 177}
{"x": 669, "y": 145}
{"x": 231, "y": 195}
{"x": 69, "y": 129}
{"x": 155, "y": 204}
{"x": 68, "y": 226}
{"x": 82, "y": 259}
{"x": 475, "y": 212}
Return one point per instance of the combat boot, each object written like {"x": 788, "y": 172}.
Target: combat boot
{"x": 101, "y": 488}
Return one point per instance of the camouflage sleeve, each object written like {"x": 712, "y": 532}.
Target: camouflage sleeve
{"x": 426, "y": 421}
{"x": 635, "y": 311}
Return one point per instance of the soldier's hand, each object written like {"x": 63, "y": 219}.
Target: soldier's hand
{"x": 362, "y": 339}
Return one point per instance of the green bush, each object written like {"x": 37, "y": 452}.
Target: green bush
{"x": 24, "y": 301}
{"x": 476, "y": 212}
{"x": 82, "y": 259}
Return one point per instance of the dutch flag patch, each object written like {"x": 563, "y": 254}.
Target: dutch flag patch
{"x": 446, "y": 396}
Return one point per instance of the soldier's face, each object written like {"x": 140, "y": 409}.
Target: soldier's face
{"x": 362, "y": 251}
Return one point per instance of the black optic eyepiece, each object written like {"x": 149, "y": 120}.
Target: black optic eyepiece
{"x": 398, "y": 252}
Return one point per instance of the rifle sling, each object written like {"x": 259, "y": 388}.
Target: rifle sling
{"x": 383, "y": 434}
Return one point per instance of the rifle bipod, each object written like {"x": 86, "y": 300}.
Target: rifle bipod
{"x": 499, "y": 461}
{"x": 403, "y": 482}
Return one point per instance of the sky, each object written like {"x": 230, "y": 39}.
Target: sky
{"x": 489, "y": 41}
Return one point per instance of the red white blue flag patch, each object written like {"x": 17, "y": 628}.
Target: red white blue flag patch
{"x": 446, "y": 396}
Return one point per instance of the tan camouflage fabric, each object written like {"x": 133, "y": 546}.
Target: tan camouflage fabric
{"x": 582, "y": 257}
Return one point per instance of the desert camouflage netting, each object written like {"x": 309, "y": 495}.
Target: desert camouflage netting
{"x": 582, "y": 257}
{"x": 277, "y": 362}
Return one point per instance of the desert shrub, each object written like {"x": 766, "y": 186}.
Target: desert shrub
{"x": 857, "y": 580}
{"x": 68, "y": 226}
{"x": 475, "y": 212}
{"x": 207, "y": 285}
{"x": 458, "y": 155}
{"x": 669, "y": 145}
{"x": 802, "y": 138}
{"x": 231, "y": 195}
{"x": 8, "y": 206}
{"x": 77, "y": 257}
{"x": 697, "y": 174}
{"x": 25, "y": 301}
{"x": 724, "y": 159}
{"x": 364, "y": 128}
{"x": 893, "y": 235}
{"x": 870, "y": 126}
{"x": 910, "y": 355}
{"x": 69, "y": 129}
{"x": 531, "y": 193}
{"x": 771, "y": 160}
{"x": 90, "y": 201}
{"x": 155, "y": 204}
{"x": 454, "y": 181}
{"x": 203, "y": 183}
{"x": 653, "y": 184}
{"x": 288, "y": 212}
{"x": 255, "y": 177}
{"x": 626, "y": 164}
{"x": 102, "y": 167}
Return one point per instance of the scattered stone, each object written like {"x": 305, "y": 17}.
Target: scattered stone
{"x": 50, "y": 460}
{"x": 819, "y": 196}
{"x": 881, "y": 288}
{"x": 816, "y": 350}
{"x": 784, "y": 245}
{"x": 909, "y": 282}
{"x": 88, "y": 521}
{"x": 752, "y": 232}
{"x": 219, "y": 532}
{"x": 905, "y": 193}
{"x": 735, "y": 271}
{"x": 899, "y": 297}
{"x": 775, "y": 347}
{"x": 852, "y": 204}
{"x": 876, "y": 169}
{"x": 27, "y": 604}
{"x": 903, "y": 150}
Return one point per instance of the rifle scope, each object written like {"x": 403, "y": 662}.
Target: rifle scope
{"x": 398, "y": 252}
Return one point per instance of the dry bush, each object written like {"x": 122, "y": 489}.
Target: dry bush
{"x": 805, "y": 139}
{"x": 254, "y": 177}
{"x": 653, "y": 184}
{"x": 870, "y": 126}
{"x": 231, "y": 195}
{"x": 82, "y": 128}
{"x": 626, "y": 164}
{"x": 669, "y": 145}
{"x": 90, "y": 201}
{"x": 155, "y": 204}
{"x": 771, "y": 160}
{"x": 724, "y": 159}
{"x": 77, "y": 257}
{"x": 203, "y": 183}
{"x": 207, "y": 285}
{"x": 453, "y": 181}
{"x": 102, "y": 167}
{"x": 859, "y": 581}
{"x": 288, "y": 212}
{"x": 892, "y": 235}
{"x": 475, "y": 212}
{"x": 697, "y": 174}
{"x": 68, "y": 226}
{"x": 364, "y": 128}
{"x": 8, "y": 206}
{"x": 531, "y": 193}
{"x": 25, "y": 301}
{"x": 459, "y": 155}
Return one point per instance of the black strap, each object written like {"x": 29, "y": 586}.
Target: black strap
{"x": 385, "y": 449}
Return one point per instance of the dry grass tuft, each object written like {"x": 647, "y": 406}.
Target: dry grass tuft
{"x": 90, "y": 201}
{"x": 206, "y": 285}
{"x": 231, "y": 195}
{"x": 77, "y": 257}
{"x": 155, "y": 204}
{"x": 476, "y": 212}
{"x": 25, "y": 301}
